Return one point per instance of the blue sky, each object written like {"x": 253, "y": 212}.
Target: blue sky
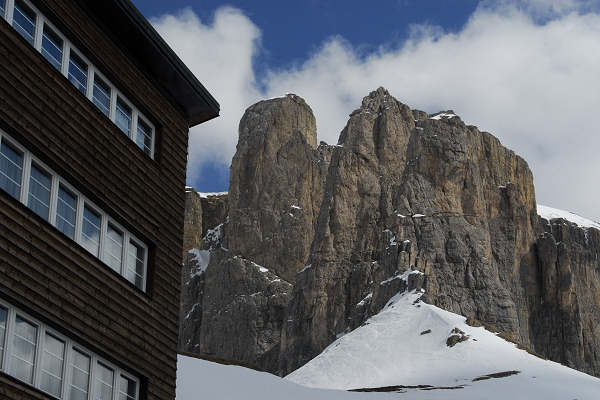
{"x": 291, "y": 30}
{"x": 521, "y": 69}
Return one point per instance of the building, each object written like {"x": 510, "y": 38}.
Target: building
{"x": 95, "y": 110}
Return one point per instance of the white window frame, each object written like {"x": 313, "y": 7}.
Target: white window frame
{"x": 82, "y": 201}
{"x": 40, "y": 21}
{"x": 70, "y": 346}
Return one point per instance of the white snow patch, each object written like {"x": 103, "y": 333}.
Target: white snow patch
{"x": 393, "y": 241}
{"x": 305, "y": 268}
{"x": 418, "y": 215}
{"x": 207, "y": 194}
{"x": 187, "y": 316}
{"x": 389, "y": 350}
{"x": 404, "y": 276}
{"x": 263, "y": 269}
{"x": 201, "y": 379}
{"x": 362, "y": 302}
{"x": 296, "y": 207}
{"x": 202, "y": 258}
{"x": 443, "y": 116}
{"x": 552, "y": 213}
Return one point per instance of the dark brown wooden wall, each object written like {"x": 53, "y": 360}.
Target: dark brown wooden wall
{"x": 52, "y": 276}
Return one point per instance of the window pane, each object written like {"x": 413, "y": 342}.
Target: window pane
{"x": 144, "y": 137}
{"x": 2, "y": 7}
{"x": 52, "y": 365}
{"x": 39, "y": 192}
{"x": 24, "y": 21}
{"x": 23, "y": 352}
{"x": 77, "y": 72}
{"x": 90, "y": 230}
{"x": 113, "y": 248}
{"x": 65, "y": 212}
{"x": 11, "y": 168}
{"x": 128, "y": 389}
{"x": 123, "y": 117}
{"x": 135, "y": 265}
{"x": 101, "y": 95}
{"x": 3, "y": 316}
{"x": 80, "y": 376}
{"x": 52, "y": 47}
{"x": 104, "y": 383}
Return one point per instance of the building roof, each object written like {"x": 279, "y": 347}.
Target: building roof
{"x": 141, "y": 41}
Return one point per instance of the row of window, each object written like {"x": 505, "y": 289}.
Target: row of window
{"x": 35, "y": 354}
{"x": 28, "y": 180}
{"x": 33, "y": 26}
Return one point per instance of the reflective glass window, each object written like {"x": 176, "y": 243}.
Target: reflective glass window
{"x": 39, "y": 191}
{"x": 52, "y": 365}
{"x": 66, "y": 211}
{"x": 52, "y": 47}
{"x": 90, "y": 230}
{"x": 78, "y": 72}
{"x": 11, "y": 170}
{"x": 24, "y": 21}
{"x": 23, "y": 350}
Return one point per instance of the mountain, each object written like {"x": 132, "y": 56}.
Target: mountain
{"x": 312, "y": 239}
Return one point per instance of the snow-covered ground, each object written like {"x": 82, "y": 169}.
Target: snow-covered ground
{"x": 552, "y": 213}
{"x": 200, "y": 379}
{"x": 392, "y": 349}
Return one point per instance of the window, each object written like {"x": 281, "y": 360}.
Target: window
{"x": 114, "y": 248}
{"x": 52, "y": 365}
{"x": 11, "y": 169}
{"x": 101, "y": 95}
{"x": 135, "y": 265}
{"x": 78, "y": 72}
{"x": 80, "y": 376}
{"x": 54, "y": 200}
{"x": 104, "y": 383}
{"x": 66, "y": 212}
{"x": 39, "y": 192}
{"x": 144, "y": 137}
{"x": 24, "y": 21}
{"x": 3, "y": 317}
{"x": 123, "y": 117}
{"x": 90, "y": 230}
{"x": 57, "y": 365}
{"x": 52, "y": 47}
{"x": 24, "y": 348}
{"x": 127, "y": 389}
{"x": 55, "y": 47}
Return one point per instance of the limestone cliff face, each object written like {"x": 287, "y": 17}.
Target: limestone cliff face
{"x": 336, "y": 226}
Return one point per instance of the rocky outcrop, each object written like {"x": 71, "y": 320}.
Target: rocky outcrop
{"x": 405, "y": 200}
{"x": 276, "y": 185}
{"x": 565, "y": 305}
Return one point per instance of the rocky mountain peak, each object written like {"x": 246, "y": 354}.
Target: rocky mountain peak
{"x": 405, "y": 201}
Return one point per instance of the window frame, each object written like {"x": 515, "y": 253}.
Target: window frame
{"x": 70, "y": 346}
{"x": 68, "y": 46}
{"x": 82, "y": 201}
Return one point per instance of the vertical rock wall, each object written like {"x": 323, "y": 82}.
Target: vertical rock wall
{"x": 336, "y": 227}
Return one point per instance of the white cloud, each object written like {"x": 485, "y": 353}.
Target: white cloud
{"x": 527, "y": 71}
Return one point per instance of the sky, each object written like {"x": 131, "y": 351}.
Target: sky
{"x": 527, "y": 71}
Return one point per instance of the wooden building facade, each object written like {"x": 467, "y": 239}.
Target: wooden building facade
{"x": 95, "y": 110}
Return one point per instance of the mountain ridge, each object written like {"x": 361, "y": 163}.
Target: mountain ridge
{"x": 335, "y": 224}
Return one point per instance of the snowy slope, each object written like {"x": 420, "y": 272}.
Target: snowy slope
{"x": 200, "y": 379}
{"x": 552, "y": 213}
{"x": 389, "y": 350}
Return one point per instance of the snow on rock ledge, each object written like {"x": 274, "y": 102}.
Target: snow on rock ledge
{"x": 550, "y": 213}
